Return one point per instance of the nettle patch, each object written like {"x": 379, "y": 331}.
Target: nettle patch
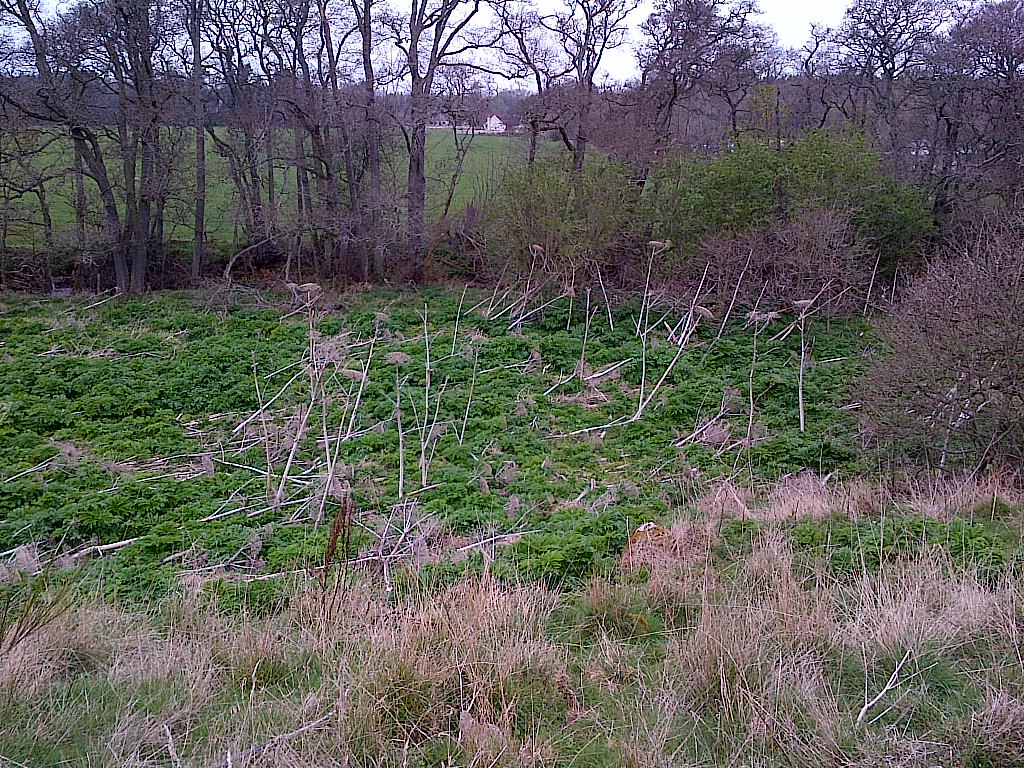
{"x": 170, "y": 438}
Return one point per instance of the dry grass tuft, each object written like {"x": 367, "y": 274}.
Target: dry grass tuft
{"x": 809, "y": 497}
{"x": 803, "y": 495}
{"x": 725, "y": 499}
{"x": 80, "y": 640}
{"x": 944, "y": 497}
{"x": 924, "y": 603}
{"x": 745, "y": 630}
{"x": 997, "y": 729}
{"x": 677, "y": 561}
{"x": 473, "y": 660}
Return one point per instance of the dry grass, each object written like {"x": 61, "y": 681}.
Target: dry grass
{"x": 724, "y": 498}
{"x": 472, "y": 663}
{"x": 926, "y": 606}
{"x": 807, "y": 496}
{"x": 944, "y": 496}
{"x": 676, "y": 659}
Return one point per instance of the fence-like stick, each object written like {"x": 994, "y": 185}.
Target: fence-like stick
{"x": 362, "y": 386}
{"x": 871, "y": 285}
{"x": 800, "y": 377}
{"x": 264, "y": 405}
{"x": 401, "y": 438}
{"x": 469, "y": 400}
{"x": 607, "y": 303}
{"x": 458, "y": 316}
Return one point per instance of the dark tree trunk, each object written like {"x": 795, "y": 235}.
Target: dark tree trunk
{"x": 80, "y": 202}
{"x": 199, "y": 124}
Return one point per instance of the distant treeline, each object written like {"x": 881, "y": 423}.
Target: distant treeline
{"x": 116, "y": 106}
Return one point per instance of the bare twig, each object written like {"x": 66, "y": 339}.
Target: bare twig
{"x": 101, "y": 549}
{"x": 890, "y": 684}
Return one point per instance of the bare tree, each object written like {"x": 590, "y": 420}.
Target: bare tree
{"x": 194, "y": 18}
{"x": 952, "y": 388}
{"x": 684, "y": 41}
{"x": 69, "y": 54}
{"x": 748, "y": 65}
{"x": 887, "y": 42}
{"x": 974, "y": 92}
{"x": 528, "y": 51}
{"x": 586, "y": 30}
{"x": 372, "y": 212}
{"x": 433, "y": 34}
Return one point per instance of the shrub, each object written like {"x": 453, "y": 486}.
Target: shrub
{"x": 951, "y": 388}
{"x": 756, "y": 186}
{"x": 581, "y": 222}
{"x": 814, "y": 256}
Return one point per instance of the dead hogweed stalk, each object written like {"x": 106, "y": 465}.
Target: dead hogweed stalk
{"x": 333, "y": 571}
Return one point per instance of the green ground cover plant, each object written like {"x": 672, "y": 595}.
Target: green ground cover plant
{"x": 148, "y": 420}
{"x": 398, "y": 528}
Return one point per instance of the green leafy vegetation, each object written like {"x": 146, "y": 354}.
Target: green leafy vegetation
{"x": 757, "y": 185}
{"x": 580, "y": 222}
{"x": 522, "y": 575}
{"x": 853, "y": 547}
{"x": 119, "y": 423}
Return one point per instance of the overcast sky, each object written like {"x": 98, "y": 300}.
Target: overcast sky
{"x": 791, "y": 20}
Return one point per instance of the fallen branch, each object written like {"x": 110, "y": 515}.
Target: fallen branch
{"x": 101, "y": 549}
{"x": 263, "y": 407}
{"x": 492, "y": 539}
{"x": 249, "y": 249}
{"x": 30, "y": 470}
{"x": 892, "y": 683}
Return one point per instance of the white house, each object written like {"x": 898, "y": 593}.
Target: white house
{"x": 494, "y": 124}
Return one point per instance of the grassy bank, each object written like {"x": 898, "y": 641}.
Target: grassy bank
{"x": 691, "y": 654}
{"x": 440, "y": 528}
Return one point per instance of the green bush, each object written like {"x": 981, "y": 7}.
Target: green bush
{"x": 582, "y": 222}
{"x": 757, "y": 186}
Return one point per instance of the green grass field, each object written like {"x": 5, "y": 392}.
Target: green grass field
{"x": 407, "y": 529}
{"x": 487, "y": 159}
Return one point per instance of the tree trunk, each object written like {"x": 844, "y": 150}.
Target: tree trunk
{"x": 579, "y": 154}
{"x": 302, "y": 202}
{"x": 199, "y": 123}
{"x": 416, "y": 200}
{"x": 80, "y": 202}
{"x": 92, "y": 153}
{"x": 371, "y": 206}
{"x": 140, "y": 237}
{"x": 44, "y": 211}
{"x": 534, "y": 135}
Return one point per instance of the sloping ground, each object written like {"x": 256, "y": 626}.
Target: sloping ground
{"x": 442, "y": 528}
{"x": 713, "y": 657}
